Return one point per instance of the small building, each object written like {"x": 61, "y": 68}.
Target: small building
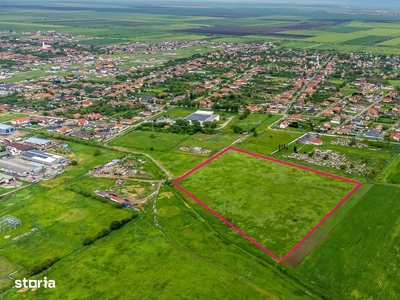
{"x": 6, "y": 129}
{"x": 372, "y": 134}
{"x": 4, "y": 178}
{"x": 203, "y": 116}
{"x": 316, "y": 142}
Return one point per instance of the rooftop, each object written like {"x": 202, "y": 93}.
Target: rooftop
{"x": 38, "y": 141}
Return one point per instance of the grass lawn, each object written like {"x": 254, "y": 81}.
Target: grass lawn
{"x": 275, "y": 204}
{"x": 191, "y": 259}
{"x": 146, "y": 140}
{"x": 176, "y": 162}
{"x": 359, "y": 259}
{"x": 177, "y": 112}
{"x": 258, "y": 121}
{"x": 6, "y": 268}
{"x": 391, "y": 173}
{"x": 268, "y": 141}
{"x": 212, "y": 142}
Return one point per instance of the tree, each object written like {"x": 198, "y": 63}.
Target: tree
{"x": 209, "y": 124}
{"x": 295, "y": 149}
{"x": 96, "y": 152}
{"x": 255, "y": 134}
{"x": 74, "y": 162}
{"x": 115, "y": 225}
{"x": 87, "y": 241}
{"x": 236, "y": 129}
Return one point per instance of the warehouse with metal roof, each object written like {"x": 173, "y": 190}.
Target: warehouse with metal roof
{"x": 203, "y": 116}
{"x": 42, "y": 157}
{"x": 38, "y": 142}
{"x": 19, "y": 167}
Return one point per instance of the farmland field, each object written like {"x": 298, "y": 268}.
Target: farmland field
{"x": 361, "y": 252}
{"x": 254, "y": 194}
{"x": 368, "y": 40}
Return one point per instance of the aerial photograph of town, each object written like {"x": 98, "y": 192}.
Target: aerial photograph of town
{"x": 216, "y": 149}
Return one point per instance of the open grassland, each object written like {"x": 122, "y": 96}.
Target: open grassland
{"x": 268, "y": 141}
{"x": 258, "y": 121}
{"x": 359, "y": 259}
{"x": 146, "y": 140}
{"x": 269, "y": 201}
{"x": 214, "y": 142}
{"x": 6, "y": 268}
{"x": 391, "y": 173}
{"x": 193, "y": 261}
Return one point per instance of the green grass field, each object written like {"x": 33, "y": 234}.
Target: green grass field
{"x": 359, "y": 259}
{"x": 145, "y": 140}
{"x": 275, "y": 204}
{"x": 268, "y": 141}
{"x": 6, "y": 268}
{"x": 193, "y": 262}
{"x": 214, "y": 142}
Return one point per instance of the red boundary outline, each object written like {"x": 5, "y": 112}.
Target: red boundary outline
{"x": 357, "y": 183}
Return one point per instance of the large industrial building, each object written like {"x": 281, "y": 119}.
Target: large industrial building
{"x": 20, "y": 167}
{"x": 42, "y": 157}
{"x": 203, "y": 116}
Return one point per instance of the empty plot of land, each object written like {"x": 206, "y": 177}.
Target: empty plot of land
{"x": 275, "y": 205}
{"x": 6, "y": 268}
{"x": 158, "y": 141}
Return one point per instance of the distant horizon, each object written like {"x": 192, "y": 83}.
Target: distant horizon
{"x": 370, "y": 4}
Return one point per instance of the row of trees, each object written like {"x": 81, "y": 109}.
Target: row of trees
{"x": 180, "y": 127}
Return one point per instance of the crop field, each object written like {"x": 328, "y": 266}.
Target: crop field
{"x": 359, "y": 259}
{"x": 368, "y": 40}
{"x": 118, "y": 23}
{"x": 251, "y": 194}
